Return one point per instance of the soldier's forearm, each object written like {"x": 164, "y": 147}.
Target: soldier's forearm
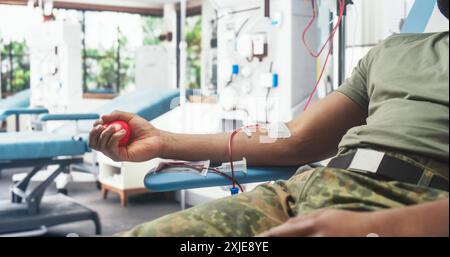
{"x": 258, "y": 149}
{"x": 315, "y": 136}
{"x": 431, "y": 219}
{"x": 194, "y": 147}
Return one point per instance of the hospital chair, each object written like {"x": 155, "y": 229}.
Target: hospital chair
{"x": 19, "y": 100}
{"x": 419, "y": 20}
{"x": 147, "y": 103}
{"x": 64, "y": 149}
{"x": 17, "y": 106}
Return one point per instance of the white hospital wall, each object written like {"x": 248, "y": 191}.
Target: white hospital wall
{"x": 152, "y": 67}
{"x": 437, "y": 22}
{"x": 370, "y": 22}
{"x": 208, "y": 15}
{"x": 170, "y": 25}
{"x": 375, "y": 20}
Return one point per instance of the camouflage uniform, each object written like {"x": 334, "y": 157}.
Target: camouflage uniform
{"x": 270, "y": 205}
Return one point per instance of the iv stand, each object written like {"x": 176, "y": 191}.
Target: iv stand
{"x": 183, "y": 53}
{"x": 342, "y": 43}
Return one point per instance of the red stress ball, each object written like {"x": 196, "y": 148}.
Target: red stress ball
{"x": 121, "y": 125}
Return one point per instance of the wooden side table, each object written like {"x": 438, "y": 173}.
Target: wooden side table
{"x": 123, "y": 193}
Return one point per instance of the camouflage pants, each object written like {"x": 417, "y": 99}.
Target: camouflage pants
{"x": 270, "y": 205}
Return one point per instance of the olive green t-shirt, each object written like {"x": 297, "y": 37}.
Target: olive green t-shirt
{"x": 403, "y": 83}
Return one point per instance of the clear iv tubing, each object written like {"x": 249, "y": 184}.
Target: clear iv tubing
{"x": 218, "y": 172}
{"x": 333, "y": 32}
{"x": 200, "y": 168}
{"x": 328, "y": 42}
{"x": 316, "y": 55}
{"x": 230, "y": 150}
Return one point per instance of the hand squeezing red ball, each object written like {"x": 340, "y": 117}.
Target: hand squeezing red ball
{"x": 142, "y": 141}
{"x": 118, "y": 126}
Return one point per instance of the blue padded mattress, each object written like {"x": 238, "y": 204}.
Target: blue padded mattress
{"x": 149, "y": 104}
{"x": 40, "y": 145}
{"x": 18, "y": 100}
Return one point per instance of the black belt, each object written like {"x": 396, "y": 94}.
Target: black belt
{"x": 393, "y": 169}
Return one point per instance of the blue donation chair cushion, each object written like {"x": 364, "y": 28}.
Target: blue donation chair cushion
{"x": 68, "y": 117}
{"x": 19, "y": 100}
{"x": 166, "y": 182}
{"x": 39, "y": 145}
{"x": 22, "y": 110}
{"x": 149, "y": 103}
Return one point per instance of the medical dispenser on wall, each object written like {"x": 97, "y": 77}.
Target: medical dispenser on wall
{"x": 209, "y": 49}
{"x": 264, "y": 72}
{"x": 55, "y": 66}
{"x": 152, "y": 67}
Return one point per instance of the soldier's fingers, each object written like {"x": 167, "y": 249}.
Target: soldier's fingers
{"x": 113, "y": 142}
{"x": 98, "y": 122}
{"x": 312, "y": 215}
{"x": 104, "y": 138}
{"x": 299, "y": 229}
{"x": 118, "y": 115}
{"x": 94, "y": 136}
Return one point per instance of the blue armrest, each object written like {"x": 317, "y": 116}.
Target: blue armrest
{"x": 68, "y": 117}
{"x": 23, "y": 111}
{"x": 175, "y": 182}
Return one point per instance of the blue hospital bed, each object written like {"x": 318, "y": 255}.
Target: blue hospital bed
{"x": 416, "y": 22}
{"x": 63, "y": 148}
{"x": 18, "y": 105}
{"x": 19, "y": 100}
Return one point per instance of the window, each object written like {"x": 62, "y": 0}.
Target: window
{"x": 151, "y": 29}
{"x": 14, "y": 52}
{"x": 15, "y": 67}
{"x": 109, "y": 42}
{"x": 194, "y": 49}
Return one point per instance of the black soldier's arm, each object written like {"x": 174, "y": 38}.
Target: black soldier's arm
{"x": 315, "y": 136}
{"x": 430, "y": 219}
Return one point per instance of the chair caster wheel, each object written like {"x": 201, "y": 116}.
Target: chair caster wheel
{"x": 63, "y": 191}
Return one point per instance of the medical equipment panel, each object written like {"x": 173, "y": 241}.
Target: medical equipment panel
{"x": 152, "y": 67}
{"x": 261, "y": 59}
{"x": 55, "y": 65}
